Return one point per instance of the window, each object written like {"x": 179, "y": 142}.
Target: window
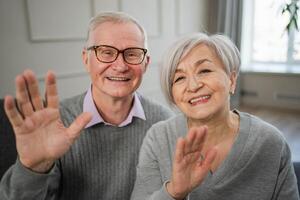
{"x": 266, "y": 45}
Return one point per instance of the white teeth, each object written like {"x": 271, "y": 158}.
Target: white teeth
{"x": 118, "y": 78}
{"x": 199, "y": 99}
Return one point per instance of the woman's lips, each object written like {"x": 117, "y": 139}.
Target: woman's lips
{"x": 201, "y": 99}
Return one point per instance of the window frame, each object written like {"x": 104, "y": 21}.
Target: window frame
{"x": 248, "y": 63}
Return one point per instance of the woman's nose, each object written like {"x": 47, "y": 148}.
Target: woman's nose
{"x": 193, "y": 84}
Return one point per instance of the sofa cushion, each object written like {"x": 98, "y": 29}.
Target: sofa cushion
{"x": 297, "y": 171}
{"x": 8, "y": 152}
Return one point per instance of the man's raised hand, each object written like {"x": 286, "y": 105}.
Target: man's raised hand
{"x": 41, "y": 137}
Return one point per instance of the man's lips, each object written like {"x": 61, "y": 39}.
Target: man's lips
{"x": 115, "y": 78}
{"x": 200, "y": 99}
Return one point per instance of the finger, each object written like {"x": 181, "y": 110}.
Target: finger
{"x": 179, "y": 151}
{"x": 197, "y": 140}
{"x": 52, "y": 100}
{"x": 190, "y": 140}
{"x": 33, "y": 88}
{"x": 11, "y": 111}
{"x": 206, "y": 165}
{"x": 22, "y": 96}
{"x": 200, "y": 138}
{"x": 80, "y": 122}
{"x": 209, "y": 158}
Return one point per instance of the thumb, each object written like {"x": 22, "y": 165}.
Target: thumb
{"x": 79, "y": 123}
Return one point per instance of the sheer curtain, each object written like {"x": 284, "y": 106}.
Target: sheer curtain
{"x": 229, "y": 22}
{"x": 229, "y": 19}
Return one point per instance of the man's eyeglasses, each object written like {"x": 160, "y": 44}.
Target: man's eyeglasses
{"x": 108, "y": 54}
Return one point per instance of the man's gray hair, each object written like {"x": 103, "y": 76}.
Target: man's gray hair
{"x": 224, "y": 48}
{"x": 115, "y": 17}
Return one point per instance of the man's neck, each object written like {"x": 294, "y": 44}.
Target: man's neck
{"x": 114, "y": 110}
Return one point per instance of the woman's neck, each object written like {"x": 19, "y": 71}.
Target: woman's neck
{"x": 221, "y": 134}
{"x": 220, "y": 128}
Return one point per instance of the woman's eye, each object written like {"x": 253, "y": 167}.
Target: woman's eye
{"x": 203, "y": 71}
{"x": 178, "y": 79}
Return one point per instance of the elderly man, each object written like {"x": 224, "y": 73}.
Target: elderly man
{"x": 86, "y": 148}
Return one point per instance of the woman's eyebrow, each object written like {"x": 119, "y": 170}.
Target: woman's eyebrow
{"x": 197, "y": 63}
{"x": 201, "y": 61}
{"x": 178, "y": 70}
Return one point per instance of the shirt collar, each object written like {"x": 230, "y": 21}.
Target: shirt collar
{"x": 89, "y": 106}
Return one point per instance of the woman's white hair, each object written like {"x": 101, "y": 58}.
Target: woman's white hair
{"x": 115, "y": 17}
{"x": 224, "y": 48}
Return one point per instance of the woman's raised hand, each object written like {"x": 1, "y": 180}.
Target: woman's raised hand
{"x": 190, "y": 167}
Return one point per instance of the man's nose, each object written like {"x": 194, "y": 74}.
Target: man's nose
{"x": 119, "y": 64}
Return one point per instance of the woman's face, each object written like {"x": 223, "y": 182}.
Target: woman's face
{"x": 201, "y": 86}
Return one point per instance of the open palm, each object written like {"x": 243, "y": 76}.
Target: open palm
{"x": 189, "y": 166}
{"x": 41, "y": 137}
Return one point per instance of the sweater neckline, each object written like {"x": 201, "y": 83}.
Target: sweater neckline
{"x": 228, "y": 166}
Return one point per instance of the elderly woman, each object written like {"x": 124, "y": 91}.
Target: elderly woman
{"x": 208, "y": 151}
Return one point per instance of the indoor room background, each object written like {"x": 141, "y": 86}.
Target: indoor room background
{"x": 43, "y": 35}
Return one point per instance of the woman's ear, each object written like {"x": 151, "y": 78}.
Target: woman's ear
{"x": 233, "y": 82}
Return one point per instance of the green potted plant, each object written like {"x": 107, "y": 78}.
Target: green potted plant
{"x": 291, "y": 8}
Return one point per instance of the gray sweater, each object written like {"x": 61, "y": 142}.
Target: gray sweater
{"x": 258, "y": 166}
{"x": 100, "y": 164}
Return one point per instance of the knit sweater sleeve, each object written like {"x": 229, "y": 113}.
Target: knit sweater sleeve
{"x": 286, "y": 186}
{"x": 148, "y": 184}
{"x": 272, "y": 147}
{"x": 21, "y": 183}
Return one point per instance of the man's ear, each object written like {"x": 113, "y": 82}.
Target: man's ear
{"x": 85, "y": 57}
{"x": 147, "y": 62}
{"x": 233, "y": 82}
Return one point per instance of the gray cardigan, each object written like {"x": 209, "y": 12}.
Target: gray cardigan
{"x": 258, "y": 166}
{"x": 100, "y": 164}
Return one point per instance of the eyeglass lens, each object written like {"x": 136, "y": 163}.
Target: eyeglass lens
{"x": 110, "y": 54}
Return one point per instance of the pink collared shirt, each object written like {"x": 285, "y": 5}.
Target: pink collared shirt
{"x": 89, "y": 106}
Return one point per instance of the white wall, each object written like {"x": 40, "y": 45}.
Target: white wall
{"x": 42, "y": 35}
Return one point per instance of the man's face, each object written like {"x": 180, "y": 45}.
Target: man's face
{"x": 117, "y": 79}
